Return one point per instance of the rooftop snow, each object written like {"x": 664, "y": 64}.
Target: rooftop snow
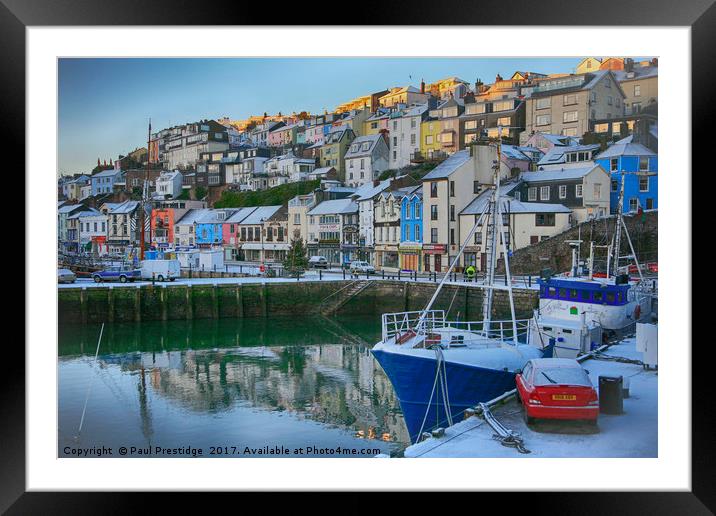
{"x": 335, "y": 206}
{"x": 626, "y": 149}
{"x": 450, "y": 165}
{"x": 558, "y": 174}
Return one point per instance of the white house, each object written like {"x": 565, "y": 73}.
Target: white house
{"x": 405, "y": 135}
{"x": 93, "y": 232}
{"x": 169, "y": 183}
{"x": 365, "y": 197}
{"x": 365, "y": 159}
{"x": 524, "y": 223}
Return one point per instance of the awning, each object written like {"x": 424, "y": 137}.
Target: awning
{"x": 266, "y": 246}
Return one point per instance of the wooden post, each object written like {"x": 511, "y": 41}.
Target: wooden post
{"x": 83, "y": 304}
{"x": 163, "y": 300}
{"x": 239, "y": 302}
{"x": 110, "y": 304}
{"x": 264, "y": 300}
{"x": 215, "y": 302}
{"x": 189, "y": 302}
{"x": 138, "y": 305}
{"x": 405, "y": 295}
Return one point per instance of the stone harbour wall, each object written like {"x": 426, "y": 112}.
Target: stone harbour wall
{"x": 181, "y": 302}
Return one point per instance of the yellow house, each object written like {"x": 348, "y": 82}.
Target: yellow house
{"x": 430, "y": 136}
{"x": 588, "y": 64}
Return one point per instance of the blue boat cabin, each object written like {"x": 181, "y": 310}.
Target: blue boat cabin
{"x": 594, "y": 293}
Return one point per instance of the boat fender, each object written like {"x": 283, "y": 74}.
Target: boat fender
{"x": 637, "y": 312}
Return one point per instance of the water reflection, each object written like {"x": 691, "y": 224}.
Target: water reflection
{"x": 228, "y": 374}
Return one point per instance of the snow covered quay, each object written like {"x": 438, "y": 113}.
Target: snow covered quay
{"x": 634, "y": 433}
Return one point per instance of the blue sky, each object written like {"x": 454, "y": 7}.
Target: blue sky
{"x": 104, "y": 104}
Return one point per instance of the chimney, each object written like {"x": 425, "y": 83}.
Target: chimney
{"x": 628, "y": 64}
{"x": 376, "y": 182}
{"x": 422, "y": 85}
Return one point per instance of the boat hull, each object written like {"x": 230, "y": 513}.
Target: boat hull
{"x": 413, "y": 378}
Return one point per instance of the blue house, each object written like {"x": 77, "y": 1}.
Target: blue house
{"x": 640, "y": 167}
{"x": 209, "y": 227}
{"x": 103, "y": 182}
{"x": 411, "y": 230}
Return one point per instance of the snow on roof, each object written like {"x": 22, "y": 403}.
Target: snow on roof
{"x": 321, "y": 170}
{"x": 638, "y": 72}
{"x": 626, "y": 149}
{"x": 513, "y": 152}
{"x": 558, "y": 154}
{"x": 107, "y": 173}
{"x": 124, "y": 207}
{"x": 368, "y": 191}
{"x": 85, "y": 213}
{"x": 69, "y": 208}
{"x": 192, "y": 216}
{"x": 335, "y": 206}
{"x": 512, "y": 205}
{"x": 372, "y": 140}
{"x": 450, "y": 165}
{"x": 555, "y": 174}
{"x": 261, "y": 213}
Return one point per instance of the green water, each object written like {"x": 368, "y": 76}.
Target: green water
{"x": 255, "y": 387}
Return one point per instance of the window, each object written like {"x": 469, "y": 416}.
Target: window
{"x": 429, "y": 139}
{"x": 609, "y": 100}
{"x": 452, "y": 188}
{"x": 476, "y": 187}
{"x": 597, "y": 190}
{"x": 434, "y": 212}
{"x": 543, "y": 120}
{"x": 471, "y": 124}
{"x": 412, "y": 123}
{"x": 544, "y": 219}
{"x": 643, "y": 163}
{"x": 570, "y": 100}
{"x": 615, "y": 186}
{"x": 562, "y": 191}
{"x": 544, "y": 193}
{"x": 570, "y": 116}
{"x": 452, "y": 212}
{"x": 395, "y": 155}
{"x": 543, "y": 103}
{"x": 433, "y": 235}
{"x": 478, "y": 237}
{"x": 504, "y": 121}
{"x": 649, "y": 204}
{"x": 412, "y": 139}
{"x": 532, "y": 193}
{"x": 636, "y": 107}
{"x": 643, "y": 184}
{"x": 637, "y": 90}
{"x": 633, "y": 204}
{"x": 434, "y": 189}
{"x": 569, "y": 131}
{"x": 614, "y": 164}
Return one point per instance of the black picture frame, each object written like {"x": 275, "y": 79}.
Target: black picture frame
{"x": 700, "y": 15}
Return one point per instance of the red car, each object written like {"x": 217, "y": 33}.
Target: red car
{"x": 557, "y": 388}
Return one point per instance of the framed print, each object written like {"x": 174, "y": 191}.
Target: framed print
{"x": 311, "y": 257}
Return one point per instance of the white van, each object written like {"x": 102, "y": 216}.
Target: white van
{"x": 161, "y": 270}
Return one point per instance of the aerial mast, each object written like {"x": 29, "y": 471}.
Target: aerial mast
{"x": 145, "y": 193}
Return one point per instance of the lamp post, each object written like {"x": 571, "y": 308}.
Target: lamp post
{"x": 261, "y": 258}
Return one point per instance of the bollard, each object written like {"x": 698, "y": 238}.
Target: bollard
{"x": 383, "y": 273}
{"x": 505, "y": 279}
{"x": 320, "y": 274}
{"x": 153, "y": 278}
{"x": 529, "y": 279}
{"x": 344, "y": 274}
{"x": 398, "y": 274}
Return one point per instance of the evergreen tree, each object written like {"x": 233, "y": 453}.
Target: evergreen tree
{"x": 296, "y": 257}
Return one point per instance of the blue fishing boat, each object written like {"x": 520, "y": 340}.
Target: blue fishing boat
{"x": 439, "y": 368}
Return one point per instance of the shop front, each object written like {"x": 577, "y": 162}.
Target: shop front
{"x": 386, "y": 258}
{"x": 409, "y": 255}
{"x": 434, "y": 257}
{"x": 330, "y": 250}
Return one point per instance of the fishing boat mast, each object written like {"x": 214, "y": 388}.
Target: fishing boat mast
{"x": 493, "y": 213}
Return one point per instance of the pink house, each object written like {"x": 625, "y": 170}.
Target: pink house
{"x": 230, "y": 228}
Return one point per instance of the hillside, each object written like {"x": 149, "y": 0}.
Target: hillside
{"x": 271, "y": 197}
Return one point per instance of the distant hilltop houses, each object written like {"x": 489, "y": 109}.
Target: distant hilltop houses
{"x": 398, "y": 174}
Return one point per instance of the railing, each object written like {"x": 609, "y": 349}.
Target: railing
{"x": 400, "y": 323}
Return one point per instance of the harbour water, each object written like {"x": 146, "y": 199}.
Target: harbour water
{"x": 228, "y": 387}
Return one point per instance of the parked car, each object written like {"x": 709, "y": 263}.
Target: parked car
{"x": 556, "y": 388}
{"x": 161, "y": 270}
{"x": 360, "y": 266}
{"x": 117, "y": 273}
{"x": 65, "y": 276}
{"x": 318, "y": 262}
